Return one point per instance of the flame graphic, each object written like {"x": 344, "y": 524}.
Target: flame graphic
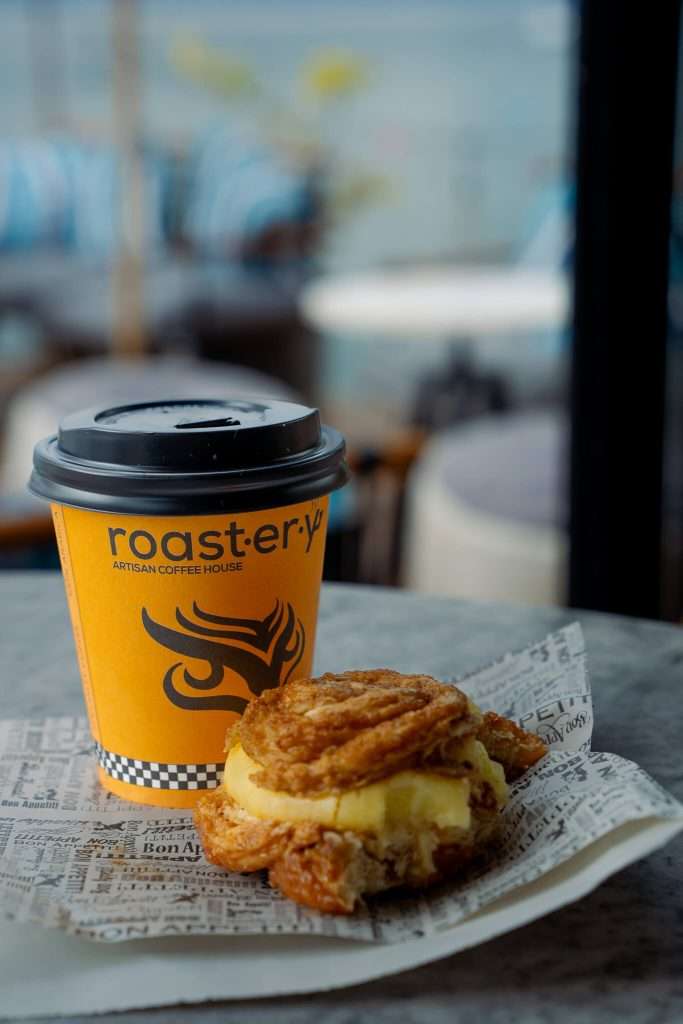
{"x": 270, "y": 645}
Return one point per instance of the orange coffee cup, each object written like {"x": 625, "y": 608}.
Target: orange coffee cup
{"x": 191, "y": 537}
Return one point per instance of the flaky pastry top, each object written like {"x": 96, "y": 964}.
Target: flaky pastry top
{"x": 338, "y": 732}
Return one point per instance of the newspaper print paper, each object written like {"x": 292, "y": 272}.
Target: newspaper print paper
{"x": 75, "y": 857}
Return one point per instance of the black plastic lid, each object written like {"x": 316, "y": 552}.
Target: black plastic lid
{"x": 185, "y": 456}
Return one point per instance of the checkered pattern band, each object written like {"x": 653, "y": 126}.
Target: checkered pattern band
{"x": 154, "y": 775}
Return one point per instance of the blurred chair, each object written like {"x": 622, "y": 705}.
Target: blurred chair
{"x": 250, "y": 315}
{"x": 229, "y": 198}
{"x": 379, "y": 479}
{"x": 242, "y": 199}
{"x": 227, "y": 236}
{"x": 485, "y": 512}
{"x": 250, "y": 220}
{"x": 457, "y": 392}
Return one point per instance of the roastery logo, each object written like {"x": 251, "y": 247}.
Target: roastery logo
{"x": 264, "y": 652}
{"x": 234, "y": 541}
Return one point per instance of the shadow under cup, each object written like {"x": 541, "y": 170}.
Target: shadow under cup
{"x": 191, "y": 536}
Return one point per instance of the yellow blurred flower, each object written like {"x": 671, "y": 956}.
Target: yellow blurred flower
{"x": 207, "y": 67}
{"x": 359, "y": 190}
{"x": 333, "y": 73}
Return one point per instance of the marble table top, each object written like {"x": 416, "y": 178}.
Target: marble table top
{"x": 616, "y": 955}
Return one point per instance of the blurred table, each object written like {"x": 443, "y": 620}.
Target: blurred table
{"x": 487, "y": 511}
{"x": 438, "y": 302}
{"x": 613, "y": 956}
{"x": 505, "y": 320}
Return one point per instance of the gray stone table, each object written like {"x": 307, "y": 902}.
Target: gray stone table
{"x": 617, "y": 955}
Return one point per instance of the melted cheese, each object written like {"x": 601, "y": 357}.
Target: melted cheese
{"x": 407, "y": 799}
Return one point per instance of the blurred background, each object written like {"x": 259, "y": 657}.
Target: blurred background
{"x": 375, "y": 207}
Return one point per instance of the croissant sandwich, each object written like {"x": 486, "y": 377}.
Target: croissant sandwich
{"x": 347, "y": 785}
